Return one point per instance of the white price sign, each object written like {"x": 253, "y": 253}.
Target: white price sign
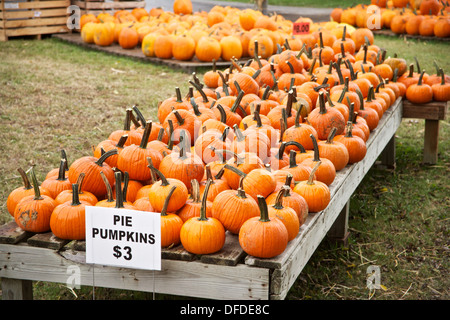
{"x": 123, "y": 238}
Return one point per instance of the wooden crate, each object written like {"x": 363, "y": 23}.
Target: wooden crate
{"x": 32, "y": 17}
{"x": 227, "y": 274}
{"x": 98, "y": 6}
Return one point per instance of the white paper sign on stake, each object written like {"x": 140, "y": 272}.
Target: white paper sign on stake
{"x": 123, "y": 238}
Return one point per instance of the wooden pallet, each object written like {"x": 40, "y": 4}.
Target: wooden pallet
{"x": 98, "y": 6}
{"x": 32, "y": 18}
{"x": 227, "y": 274}
{"x": 389, "y": 33}
{"x": 136, "y": 53}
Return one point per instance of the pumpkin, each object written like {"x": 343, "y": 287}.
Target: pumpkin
{"x": 316, "y": 193}
{"x": 33, "y": 212}
{"x": 324, "y": 118}
{"x": 161, "y": 188}
{"x": 203, "y": 235}
{"x": 173, "y": 103}
{"x": 245, "y": 162}
{"x": 183, "y": 121}
{"x": 92, "y": 167}
{"x": 334, "y": 151}
{"x": 68, "y": 219}
{"x": 183, "y": 47}
{"x": 19, "y": 193}
{"x": 133, "y": 136}
{"x": 218, "y": 184}
{"x": 299, "y": 133}
{"x": 171, "y": 223}
{"x": 419, "y": 93}
{"x": 261, "y": 236}
{"x": 258, "y": 181}
{"x": 208, "y": 49}
{"x": 291, "y": 199}
{"x": 286, "y": 214}
{"x": 164, "y": 46}
{"x": 251, "y": 141}
{"x": 441, "y": 91}
{"x": 183, "y": 165}
{"x": 55, "y": 185}
{"x": 231, "y": 47}
{"x": 182, "y": 7}
{"x": 133, "y": 158}
{"x": 128, "y": 37}
{"x": 232, "y": 208}
{"x": 356, "y": 146}
{"x": 326, "y": 173}
{"x": 82, "y": 195}
{"x": 103, "y": 34}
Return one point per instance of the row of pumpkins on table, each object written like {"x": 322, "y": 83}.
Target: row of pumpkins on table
{"x": 241, "y": 152}
{"x": 429, "y": 18}
{"x": 221, "y": 33}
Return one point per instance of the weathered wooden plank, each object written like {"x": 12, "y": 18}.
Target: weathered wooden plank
{"x": 390, "y": 33}
{"x": 434, "y": 110}
{"x": 36, "y": 30}
{"x": 37, "y": 4}
{"x": 35, "y": 22}
{"x": 175, "y": 277}
{"x": 16, "y": 289}
{"x": 12, "y": 233}
{"x": 229, "y": 255}
{"x": 33, "y": 13}
{"x": 431, "y": 141}
{"x": 289, "y": 265}
{"x": 47, "y": 240}
{"x": 93, "y": 5}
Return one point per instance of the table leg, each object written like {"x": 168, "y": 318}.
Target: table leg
{"x": 388, "y": 154}
{"x": 339, "y": 230}
{"x": 15, "y": 289}
{"x": 430, "y": 150}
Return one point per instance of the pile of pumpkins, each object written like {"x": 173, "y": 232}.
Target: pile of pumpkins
{"x": 222, "y": 33}
{"x": 429, "y": 18}
{"x": 250, "y": 150}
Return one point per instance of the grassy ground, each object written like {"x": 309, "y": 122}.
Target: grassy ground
{"x": 309, "y": 3}
{"x": 56, "y": 95}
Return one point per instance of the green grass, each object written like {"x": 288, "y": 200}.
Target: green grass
{"x": 308, "y": 3}
{"x": 55, "y": 95}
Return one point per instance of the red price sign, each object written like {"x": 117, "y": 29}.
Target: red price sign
{"x": 300, "y": 28}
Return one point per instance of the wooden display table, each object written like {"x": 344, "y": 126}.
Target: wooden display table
{"x": 432, "y": 112}
{"x": 228, "y": 274}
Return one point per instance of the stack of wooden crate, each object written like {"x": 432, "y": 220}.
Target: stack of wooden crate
{"x": 33, "y": 17}
{"x": 98, "y": 6}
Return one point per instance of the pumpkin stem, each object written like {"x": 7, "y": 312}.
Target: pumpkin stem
{"x": 292, "y": 160}
{"x": 316, "y": 148}
{"x": 171, "y": 137}
{"x": 264, "y": 212}
{"x": 127, "y": 124}
{"x": 239, "y": 135}
{"x": 323, "y": 108}
{"x": 204, "y": 200}
{"x": 122, "y": 141}
{"x": 331, "y": 135}
{"x": 235, "y": 170}
{"x": 281, "y": 150}
{"x": 178, "y": 93}
{"x": 298, "y": 145}
{"x": 80, "y": 181}
{"x": 164, "y": 181}
{"x": 62, "y": 170}
{"x": 238, "y": 100}
{"x": 313, "y": 172}
{"x": 167, "y": 200}
{"x": 26, "y": 182}
{"x": 146, "y": 135}
{"x": 75, "y": 196}
{"x": 139, "y": 115}
{"x": 297, "y": 116}
{"x": 109, "y": 191}
{"x": 37, "y": 191}
{"x": 223, "y": 114}
{"x": 200, "y": 90}
{"x": 105, "y": 156}
{"x": 119, "y": 194}
{"x": 64, "y": 156}
{"x": 419, "y": 83}
{"x": 126, "y": 180}
{"x": 195, "y": 193}
{"x": 442, "y": 77}
{"x": 361, "y": 98}
{"x": 349, "y": 133}
{"x": 279, "y": 199}
{"x": 288, "y": 181}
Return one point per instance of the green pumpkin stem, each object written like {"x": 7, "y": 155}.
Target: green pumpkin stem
{"x": 203, "y": 216}
{"x": 264, "y": 212}
{"x": 37, "y": 191}
{"x": 167, "y": 200}
{"x": 26, "y": 182}
{"x": 75, "y": 196}
{"x": 105, "y": 156}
